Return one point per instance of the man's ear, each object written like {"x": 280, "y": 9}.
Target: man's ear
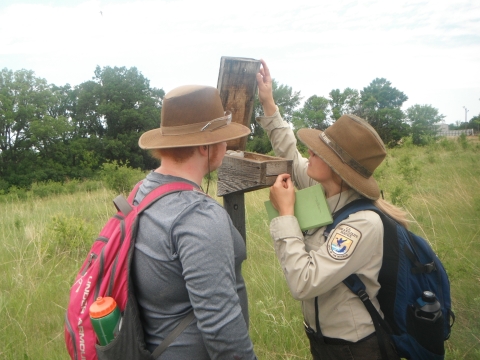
{"x": 203, "y": 149}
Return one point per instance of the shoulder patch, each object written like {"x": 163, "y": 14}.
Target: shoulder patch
{"x": 343, "y": 241}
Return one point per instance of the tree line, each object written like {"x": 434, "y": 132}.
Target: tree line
{"x": 379, "y": 103}
{"x": 50, "y": 132}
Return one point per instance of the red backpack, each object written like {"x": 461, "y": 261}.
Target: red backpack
{"x": 106, "y": 272}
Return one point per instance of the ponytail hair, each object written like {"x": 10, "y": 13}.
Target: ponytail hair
{"x": 398, "y": 214}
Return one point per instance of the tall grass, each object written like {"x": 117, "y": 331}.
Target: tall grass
{"x": 38, "y": 260}
{"x": 44, "y": 239}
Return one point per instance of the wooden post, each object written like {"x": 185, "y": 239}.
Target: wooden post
{"x": 237, "y": 85}
{"x": 234, "y": 203}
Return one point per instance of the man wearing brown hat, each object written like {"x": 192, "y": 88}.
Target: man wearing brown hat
{"x": 188, "y": 254}
{"x": 342, "y": 159}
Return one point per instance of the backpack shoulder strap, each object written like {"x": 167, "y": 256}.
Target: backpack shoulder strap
{"x": 125, "y": 206}
{"x": 354, "y": 283}
{"x": 350, "y": 208}
{"x": 174, "y": 334}
{"x": 357, "y": 286}
{"x": 134, "y": 191}
{"x": 162, "y": 190}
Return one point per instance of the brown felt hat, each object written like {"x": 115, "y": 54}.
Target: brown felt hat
{"x": 192, "y": 115}
{"x": 352, "y": 148}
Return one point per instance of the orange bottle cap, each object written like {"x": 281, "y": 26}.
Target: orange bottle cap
{"x": 102, "y": 307}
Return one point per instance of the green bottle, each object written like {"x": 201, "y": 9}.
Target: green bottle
{"x": 105, "y": 317}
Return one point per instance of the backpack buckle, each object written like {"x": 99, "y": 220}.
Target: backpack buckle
{"x": 430, "y": 267}
{"x": 362, "y": 294}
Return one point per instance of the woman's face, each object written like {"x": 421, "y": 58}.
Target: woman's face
{"x": 318, "y": 169}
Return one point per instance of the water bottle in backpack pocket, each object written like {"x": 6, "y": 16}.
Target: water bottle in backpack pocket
{"x": 425, "y": 322}
{"x": 106, "y": 319}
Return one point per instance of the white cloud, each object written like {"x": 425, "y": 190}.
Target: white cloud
{"x": 313, "y": 46}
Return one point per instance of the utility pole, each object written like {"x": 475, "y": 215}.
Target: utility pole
{"x": 466, "y": 110}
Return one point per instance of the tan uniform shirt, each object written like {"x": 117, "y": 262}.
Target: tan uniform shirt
{"x": 315, "y": 266}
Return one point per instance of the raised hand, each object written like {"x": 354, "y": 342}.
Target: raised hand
{"x": 265, "y": 90}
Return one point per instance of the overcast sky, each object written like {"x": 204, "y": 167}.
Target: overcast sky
{"x": 430, "y": 50}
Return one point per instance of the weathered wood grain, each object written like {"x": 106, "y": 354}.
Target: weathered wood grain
{"x": 238, "y": 86}
{"x": 252, "y": 172}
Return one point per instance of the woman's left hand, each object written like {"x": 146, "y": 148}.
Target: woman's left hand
{"x": 265, "y": 90}
{"x": 282, "y": 195}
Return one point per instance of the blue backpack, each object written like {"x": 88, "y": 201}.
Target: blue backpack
{"x": 410, "y": 271}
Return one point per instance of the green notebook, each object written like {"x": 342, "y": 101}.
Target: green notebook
{"x": 311, "y": 208}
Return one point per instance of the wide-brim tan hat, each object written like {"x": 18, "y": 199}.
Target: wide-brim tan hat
{"x": 192, "y": 115}
{"x": 352, "y": 148}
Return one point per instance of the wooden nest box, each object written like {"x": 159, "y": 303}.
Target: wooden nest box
{"x": 250, "y": 172}
{"x": 237, "y": 85}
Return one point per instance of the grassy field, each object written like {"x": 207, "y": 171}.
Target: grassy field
{"x": 44, "y": 239}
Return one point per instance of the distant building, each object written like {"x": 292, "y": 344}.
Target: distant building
{"x": 442, "y": 130}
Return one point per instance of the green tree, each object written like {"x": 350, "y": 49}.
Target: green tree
{"x": 346, "y": 102}
{"x": 380, "y": 105}
{"x": 313, "y": 114}
{"x": 24, "y": 101}
{"x": 423, "y": 119}
{"x": 474, "y": 123}
{"x": 50, "y": 132}
{"x": 63, "y": 101}
{"x": 86, "y": 119}
{"x": 287, "y": 101}
{"x": 36, "y": 127}
{"x": 47, "y": 131}
{"x": 380, "y": 95}
{"x": 119, "y": 105}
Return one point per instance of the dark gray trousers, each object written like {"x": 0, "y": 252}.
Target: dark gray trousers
{"x": 331, "y": 349}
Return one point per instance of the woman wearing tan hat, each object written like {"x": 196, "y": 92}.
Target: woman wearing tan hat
{"x": 342, "y": 159}
{"x": 188, "y": 254}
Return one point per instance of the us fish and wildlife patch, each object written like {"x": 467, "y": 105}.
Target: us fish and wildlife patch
{"x": 343, "y": 242}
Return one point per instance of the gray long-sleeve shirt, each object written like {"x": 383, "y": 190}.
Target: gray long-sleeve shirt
{"x": 189, "y": 254}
